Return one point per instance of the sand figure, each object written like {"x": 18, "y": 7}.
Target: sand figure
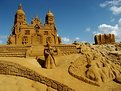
{"x": 100, "y": 69}
{"x": 99, "y": 72}
{"x": 96, "y": 68}
{"x": 49, "y": 58}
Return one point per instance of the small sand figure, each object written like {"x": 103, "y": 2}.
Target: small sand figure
{"x": 49, "y": 58}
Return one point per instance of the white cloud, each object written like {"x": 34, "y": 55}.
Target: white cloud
{"x": 102, "y": 5}
{"x": 65, "y": 40}
{"x": 1, "y": 42}
{"x": 3, "y": 39}
{"x": 106, "y": 29}
{"x": 119, "y": 22}
{"x": 115, "y": 10}
{"x": 3, "y": 36}
{"x": 77, "y": 38}
{"x": 113, "y": 5}
{"x": 96, "y": 32}
{"x": 88, "y": 29}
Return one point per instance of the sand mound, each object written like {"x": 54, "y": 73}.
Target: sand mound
{"x": 14, "y": 83}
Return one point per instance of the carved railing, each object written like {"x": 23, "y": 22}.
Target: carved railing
{"x": 13, "y": 51}
{"x": 65, "y": 49}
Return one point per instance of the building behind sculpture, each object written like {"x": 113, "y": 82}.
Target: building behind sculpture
{"x": 104, "y": 39}
{"x": 34, "y": 33}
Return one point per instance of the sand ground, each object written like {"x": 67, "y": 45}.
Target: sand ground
{"x": 60, "y": 73}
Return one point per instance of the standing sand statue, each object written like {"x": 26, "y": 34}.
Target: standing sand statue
{"x": 49, "y": 58}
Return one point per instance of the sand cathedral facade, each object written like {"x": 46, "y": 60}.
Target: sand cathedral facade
{"x": 34, "y": 33}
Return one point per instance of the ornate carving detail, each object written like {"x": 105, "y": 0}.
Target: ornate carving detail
{"x": 104, "y": 39}
{"x": 22, "y": 28}
{"x": 65, "y": 49}
{"x": 95, "y": 67}
{"x": 13, "y": 51}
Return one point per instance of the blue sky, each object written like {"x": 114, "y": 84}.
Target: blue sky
{"x": 76, "y": 20}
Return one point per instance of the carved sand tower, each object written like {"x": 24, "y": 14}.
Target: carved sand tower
{"x": 104, "y": 39}
{"x": 34, "y": 33}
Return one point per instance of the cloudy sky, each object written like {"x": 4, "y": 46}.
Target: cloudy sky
{"x": 76, "y": 20}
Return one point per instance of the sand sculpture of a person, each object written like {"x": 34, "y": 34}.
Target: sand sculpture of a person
{"x": 49, "y": 57}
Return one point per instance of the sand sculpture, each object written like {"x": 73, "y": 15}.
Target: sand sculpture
{"x": 35, "y": 52}
{"x": 49, "y": 57}
{"x": 104, "y": 39}
{"x": 94, "y": 67}
{"x": 34, "y": 33}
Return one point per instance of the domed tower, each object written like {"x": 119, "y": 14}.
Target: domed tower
{"x": 20, "y": 17}
{"x": 49, "y": 19}
{"x": 19, "y": 21}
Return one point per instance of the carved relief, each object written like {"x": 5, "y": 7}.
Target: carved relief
{"x": 104, "y": 39}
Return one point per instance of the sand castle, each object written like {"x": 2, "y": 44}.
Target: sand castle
{"x": 104, "y": 39}
{"x": 35, "y": 55}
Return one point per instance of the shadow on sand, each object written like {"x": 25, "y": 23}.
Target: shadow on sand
{"x": 41, "y": 62}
